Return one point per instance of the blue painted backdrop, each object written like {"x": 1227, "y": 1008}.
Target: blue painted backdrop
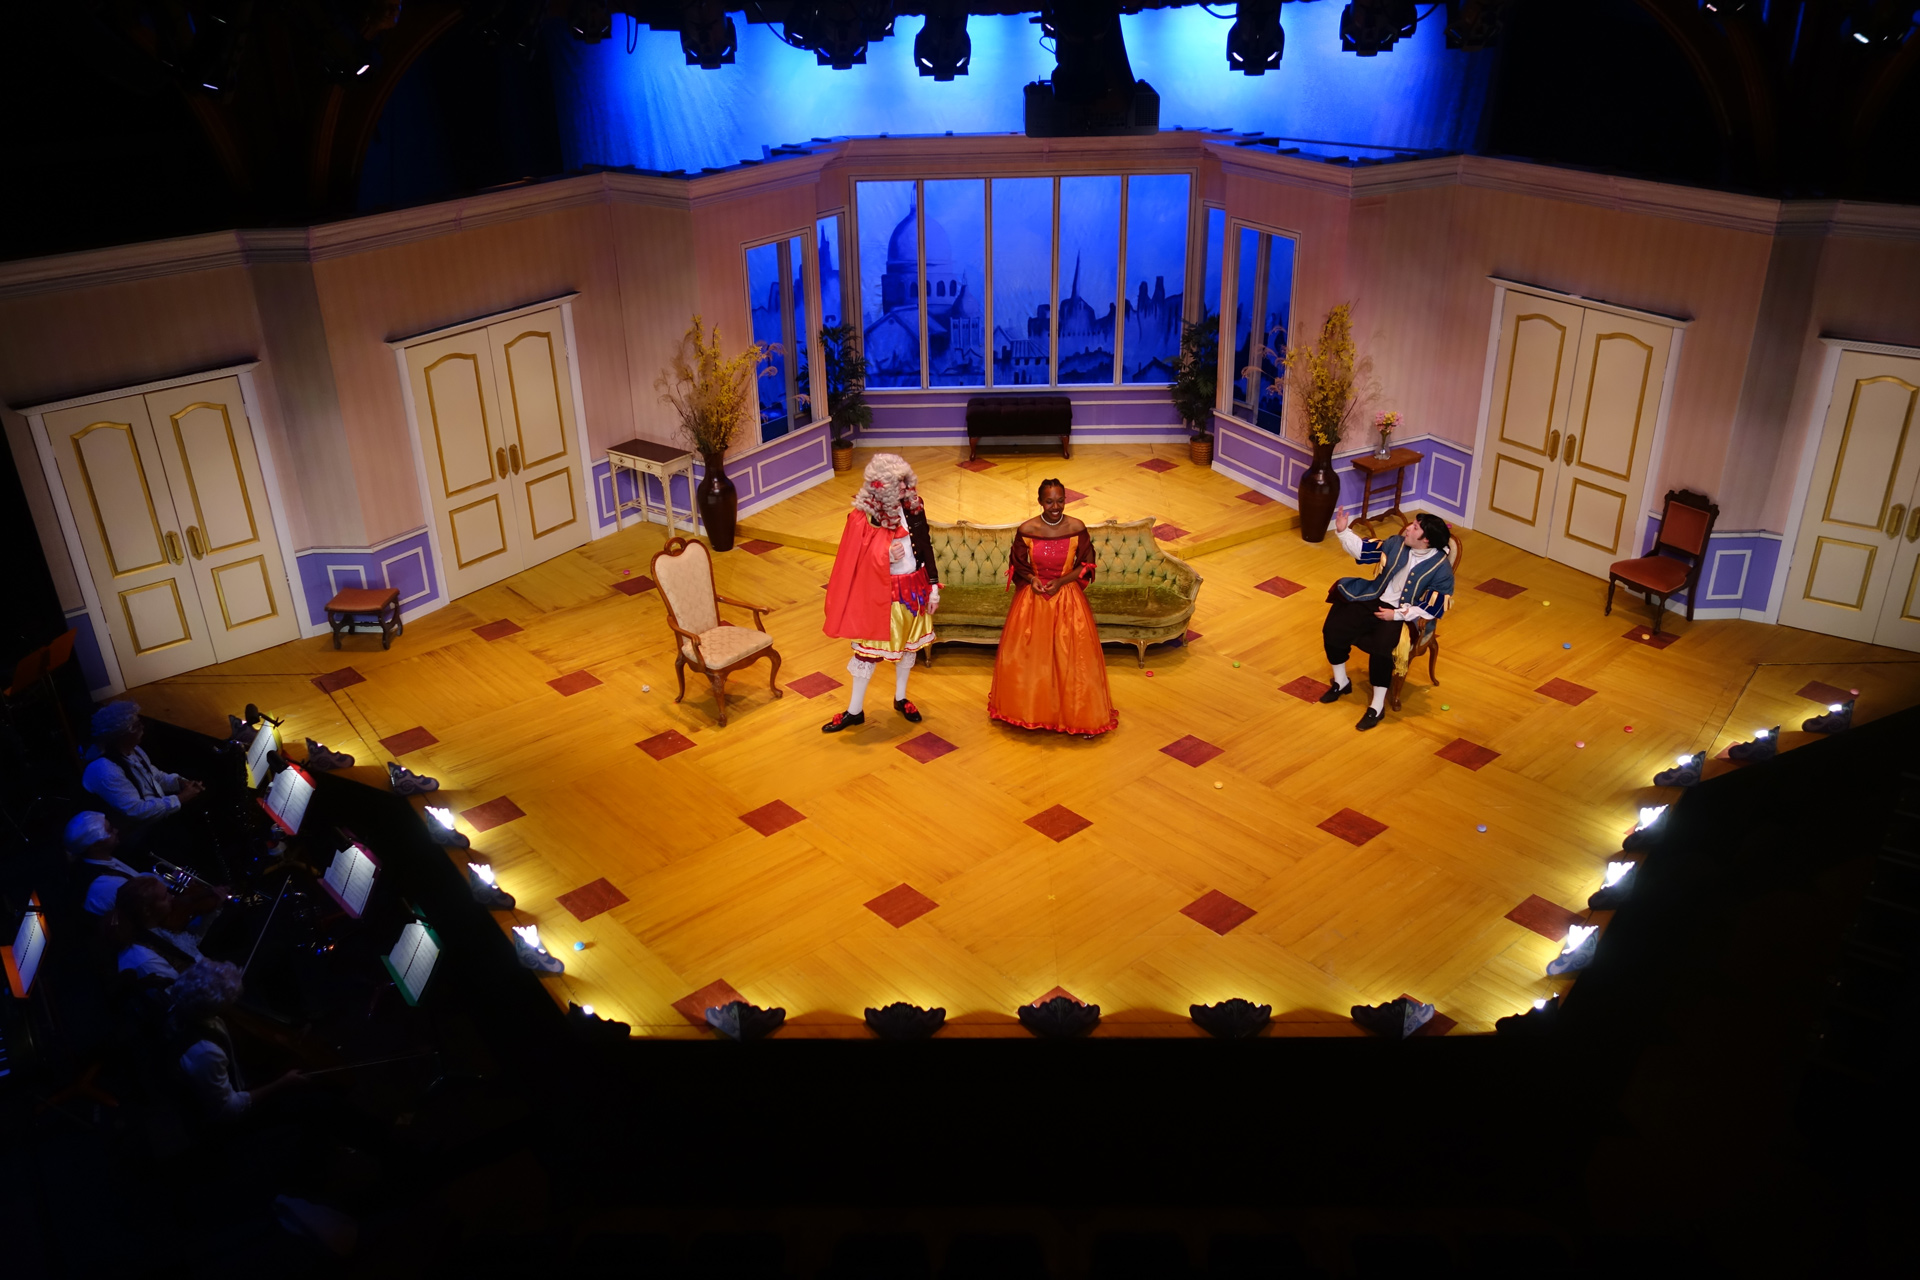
{"x": 648, "y": 108}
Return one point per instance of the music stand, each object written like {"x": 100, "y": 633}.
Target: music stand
{"x": 21, "y": 957}
{"x": 349, "y": 881}
{"x": 411, "y": 962}
{"x": 286, "y": 800}
{"x": 265, "y": 742}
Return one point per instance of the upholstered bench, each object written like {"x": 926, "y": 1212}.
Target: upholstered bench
{"x": 1140, "y": 594}
{"x": 989, "y": 416}
{"x": 351, "y": 604}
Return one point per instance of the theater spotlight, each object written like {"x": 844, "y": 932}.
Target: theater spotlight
{"x": 444, "y": 833}
{"x": 532, "y": 955}
{"x": 1881, "y": 24}
{"x": 1255, "y": 41}
{"x": 1577, "y": 952}
{"x": 839, "y": 32}
{"x": 486, "y": 889}
{"x": 1839, "y": 716}
{"x": 1368, "y": 27}
{"x": 1648, "y": 831}
{"x": 1473, "y": 25}
{"x": 1619, "y": 884}
{"x": 943, "y": 49}
{"x": 1764, "y": 745}
{"x": 706, "y": 34}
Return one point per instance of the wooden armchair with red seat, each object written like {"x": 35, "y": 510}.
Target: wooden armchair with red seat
{"x": 1686, "y": 525}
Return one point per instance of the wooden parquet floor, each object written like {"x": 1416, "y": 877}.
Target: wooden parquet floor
{"x": 750, "y": 856}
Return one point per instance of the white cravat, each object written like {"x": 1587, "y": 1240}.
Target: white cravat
{"x": 1396, "y": 584}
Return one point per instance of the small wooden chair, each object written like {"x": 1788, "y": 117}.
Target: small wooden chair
{"x": 1686, "y": 525}
{"x": 1425, "y": 637}
{"x": 684, "y": 571}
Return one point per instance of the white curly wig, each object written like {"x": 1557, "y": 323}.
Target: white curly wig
{"x": 888, "y": 486}
{"x": 208, "y": 987}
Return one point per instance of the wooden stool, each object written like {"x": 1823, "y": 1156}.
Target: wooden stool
{"x": 383, "y": 603}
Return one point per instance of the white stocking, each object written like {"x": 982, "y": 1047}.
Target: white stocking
{"x": 861, "y": 669}
{"x": 1339, "y": 675}
{"x": 902, "y": 669}
{"x": 1380, "y": 698}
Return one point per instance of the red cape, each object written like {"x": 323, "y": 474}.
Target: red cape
{"x": 859, "y": 596}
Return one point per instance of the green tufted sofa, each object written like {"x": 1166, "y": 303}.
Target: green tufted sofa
{"x": 1140, "y": 594}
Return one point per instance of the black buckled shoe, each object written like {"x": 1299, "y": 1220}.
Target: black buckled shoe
{"x": 1370, "y": 719}
{"x": 844, "y": 720}
{"x": 1336, "y": 692}
{"x": 907, "y": 709}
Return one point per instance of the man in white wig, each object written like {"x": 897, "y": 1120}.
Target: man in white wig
{"x": 135, "y": 793}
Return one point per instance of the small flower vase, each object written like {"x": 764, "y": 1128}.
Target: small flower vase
{"x": 1385, "y": 450}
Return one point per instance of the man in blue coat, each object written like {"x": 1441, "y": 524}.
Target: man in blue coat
{"x": 1414, "y": 585}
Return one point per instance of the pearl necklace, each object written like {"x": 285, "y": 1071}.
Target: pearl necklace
{"x": 1061, "y": 520}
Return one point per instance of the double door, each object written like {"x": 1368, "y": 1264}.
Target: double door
{"x": 172, "y": 513}
{"x": 494, "y": 409}
{"x": 1576, "y": 394}
{"x": 1856, "y": 559}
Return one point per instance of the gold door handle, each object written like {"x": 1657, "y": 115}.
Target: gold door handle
{"x": 500, "y": 456}
{"x": 1896, "y": 518}
{"x": 1553, "y": 444}
{"x": 513, "y": 456}
{"x": 174, "y": 555}
{"x": 1913, "y": 525}
{"x": 1570, "y": 440}
{"x": 196, "y": 542}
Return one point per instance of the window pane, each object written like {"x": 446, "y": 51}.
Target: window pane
{"x": 1156, "y": 275}
{"x": 1245, "y": 278}
{"x": 1022, "y": 278}
{"x": 1216, "y": 254}
{"x": 956, "y": 235}
{"x": 1089, "y": 267}
{"x": 763, "y": 293}
{"x": 890, "y": 282}
{"x": 802, "y": 336}
{"x": 829, "y": 231}
{"x": 1279, "y": 300}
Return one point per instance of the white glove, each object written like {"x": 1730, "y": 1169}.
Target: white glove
{"x": 933, "y": 599}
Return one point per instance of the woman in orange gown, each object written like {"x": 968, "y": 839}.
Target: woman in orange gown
{"x": 1049, "y": 672}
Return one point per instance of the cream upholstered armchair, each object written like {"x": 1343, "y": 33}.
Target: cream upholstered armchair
{"x": 684, "y": 571}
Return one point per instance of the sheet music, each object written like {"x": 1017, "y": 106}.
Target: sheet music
{"x": 22, "y": 959}
{"x": 287, "y": 798}
{"x": 351, "y": 878}
{"x": 412, "y": 960}
{"x": 264, "y": 742}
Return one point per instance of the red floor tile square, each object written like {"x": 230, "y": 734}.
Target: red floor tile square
{"x": 589, "y": 900}
{"x": 494, "y": 813}
{"x": 1645, "y": 636}
{"x": 975, "y": 464}
{"x": 334, "y": 681}
{"x": 1074, "y": 495}
{"x": 574, "y": 682}
{"x": 1255, "y": 497}
{"x": 1168, "y": 532}
{"x": 499, "y": 630}
{"x": 1505, "y": 590}
{"x": 814, "y": 685}
{"x": 1306, "y": 688}
{"x": 769, "y": 818}
{"x": 1279, "y": 587}
{"x": 1192, "y": 751}
{"x": 1218, "y": 912}
{"x": 633, "y": 586}
{"x": 928, "y": 747}
{"x": 407, "y": 740}
{"x": 1055, "y": 994}
{"x": 1470, "y": 754}
{"x": 1566, "y": 691}
{"x": 1157, "y": 464}
{"x": 1354, "y": 827}
{"x": 670, "y": 743}
{"x": 1058, "y": 823}
{"x": 759, "y": 546}
{"x": 1826, "y": 694}
{"x": 901, "y": 906}
{"x": 715, "y": 995}
{"x": 1548, "y": 919}
{"x": 1438, "y": 1025}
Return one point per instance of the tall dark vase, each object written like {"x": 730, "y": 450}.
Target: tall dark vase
{"x": 1319, "y": 494}
{"x": 719, "y": 502}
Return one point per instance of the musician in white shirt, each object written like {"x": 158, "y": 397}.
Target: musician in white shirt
{"x": 135, "y": 793}
{"x": 92, "y": 842}
{"x": 202, "y": 1047}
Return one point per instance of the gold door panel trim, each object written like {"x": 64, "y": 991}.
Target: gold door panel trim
{"x": 565, "y": 475}
{"x": 433, "y": 413}
{"x": 1813, "y": 573}
{"x": 1907, "y": 613}
{"x": 93, "y": 500}
{"x": 266, "y": 581}
{"x": 513, "y": 394}
{"x": 1639, "y": 407}
{"x": 133, "y": 631}
{"x": 1506, "y": 395}
{"x": 1573, "y": 499}
{"x": 453, "y": 530}
{"x": 239, "y": 473}
{"x": 1846, "y": 438}
{"x": 1492, "y": 504}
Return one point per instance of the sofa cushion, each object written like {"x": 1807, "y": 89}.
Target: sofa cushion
{"x": 1126, "y": 605}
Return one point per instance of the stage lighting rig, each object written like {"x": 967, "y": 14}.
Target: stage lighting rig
{"x": 590, "y": 20}
{"x": 1881, "y": 24}
{"x": 1092, "y": 92}
{"x": 707, "y": 36}
{"x": 1473, "y": 25}
{"x": 838, "y": 32}
{"x": 943, "y": 49}
{"x": 1369, "y": 27}
{"x": 1255, "y": 41}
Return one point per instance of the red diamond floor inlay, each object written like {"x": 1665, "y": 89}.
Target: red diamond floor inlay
{"x": 1505, "y": 590}
{"x": 589, "y": 900}
{"x": 1157, "y": 464}
{"x": 814, "y": 685}
{"x": 1470, "y": 754}
{"x": 975, "y": 464}
{"x": 901, "y": 906}
{"x": 1190, "y": 637}
{"x": 1652, "y": 641}
{"x": 1074, "y": 495}
{"x": 1192, "y": 751}
{"x": 759, "y": 546}
{"x": 334, "y": 681}
{"x": 1256, "y": 498}
{"x": 1548, "y": 919}
{"x": 1438, "y": 1025}
{"x": 499, "y": 630}
{"x": 1566, "y": 691}
{"x": 1824, "y": 693}
{"x": 1218, "y": 912}
{"x": 1279, "y": 587}
{"x": 633, "y": 586}
{"x": 1306, "y": 688}
{"x": 575, "y": 682}
{"x": 1058, "y": 823}
{"x": 769, "y": 818}
{"x": 1168, "y": 532}
{"x": 1055, "y": 994}
{"x": 408, "y": 740}
{"x": 927, "y": 747}
{"x": 1354, "y": 827}
{"x": 715, "y": 995}
{"x": 662, "y": 745}
{"x": 494, "y": 813}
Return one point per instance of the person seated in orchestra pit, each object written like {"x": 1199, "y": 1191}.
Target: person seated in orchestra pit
{"x": 1415, "y": 583}
{"x": 150, "y": 956}
{"x": 92, "y": 843}
{"x": 201, "y": 1048}
{"x": 1049, "y": 672}
{"x": 136, "y": 794}
{"x": 885, "y": 587}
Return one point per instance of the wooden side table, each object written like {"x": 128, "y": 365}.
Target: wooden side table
{"x": 1376, "y": 471}
{"x": 661, "y": 461}
{"x": 351, "y": 604}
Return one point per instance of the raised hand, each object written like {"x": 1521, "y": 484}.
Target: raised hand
{"x": 1340, "y": 521}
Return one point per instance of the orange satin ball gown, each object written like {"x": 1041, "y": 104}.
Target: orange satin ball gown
{"x": 1049, "y": 672}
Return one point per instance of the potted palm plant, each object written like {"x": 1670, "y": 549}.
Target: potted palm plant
{"x": 1328, "y": 379}
{"x": 847, "y": 407}
{"x": 1196, "y": 384}
{"x": 708, "y": 391}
